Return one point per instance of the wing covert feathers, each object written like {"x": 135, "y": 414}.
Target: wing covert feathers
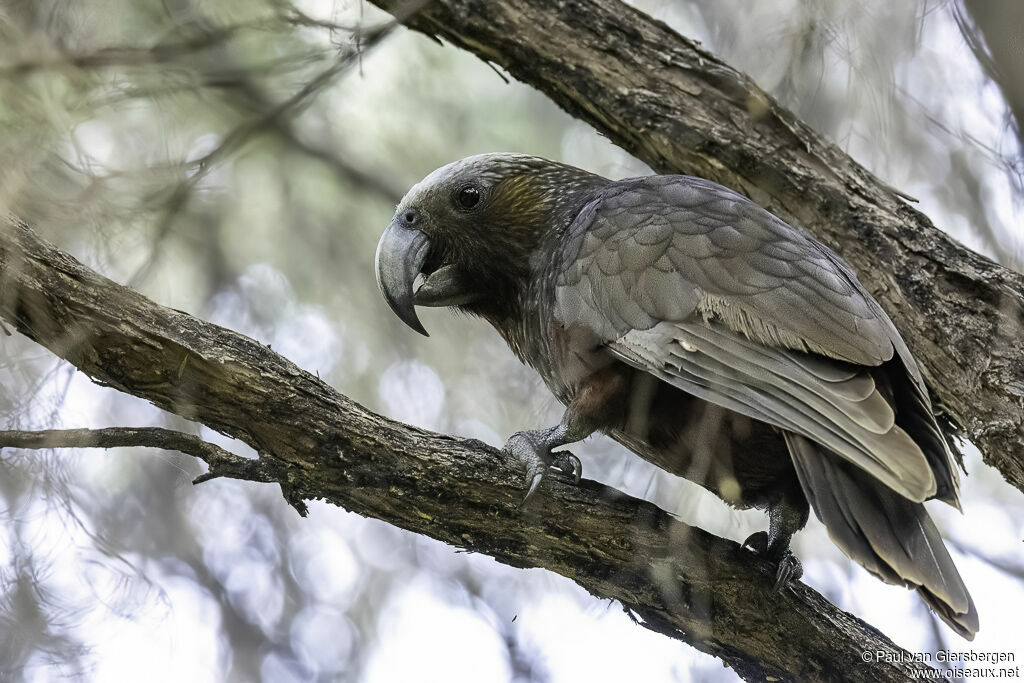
{"x": 662, "y": 247}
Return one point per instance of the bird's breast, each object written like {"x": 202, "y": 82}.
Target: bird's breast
{"x": 576, "y": 353}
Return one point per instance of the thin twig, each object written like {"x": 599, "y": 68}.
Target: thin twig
{"x": 222, "y": 463}
{"x": 245, "y": 132}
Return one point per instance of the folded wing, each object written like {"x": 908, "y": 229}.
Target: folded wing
{"x": 694, "y": 283}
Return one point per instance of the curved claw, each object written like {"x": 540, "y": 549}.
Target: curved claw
{"x": 757, "y": 541}
{"x": 523, "y": 447}
{"x": 568, "y": 464}
{"x": 565, "y": 462}
{"x": 533, "y": 487}
{"x": 534, "y": 475}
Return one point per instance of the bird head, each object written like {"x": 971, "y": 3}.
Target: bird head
{"x": 471, "y": 228}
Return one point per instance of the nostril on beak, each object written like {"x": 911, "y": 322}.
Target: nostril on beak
{"x": 410, "y": 217}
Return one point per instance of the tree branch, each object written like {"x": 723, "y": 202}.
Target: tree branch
{"x": 681, "y": 109}
{"x": 118, "y": 437}
{"x": 223, "y": 463}
{"x": 316, "y": 443}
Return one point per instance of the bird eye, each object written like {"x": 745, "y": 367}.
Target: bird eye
{"x": 468, "y": 197}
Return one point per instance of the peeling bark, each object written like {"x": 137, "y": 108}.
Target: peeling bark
{"x": 680, "y": 109}
{"x": 316, "y": 443}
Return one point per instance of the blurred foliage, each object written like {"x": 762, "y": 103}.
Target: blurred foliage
{"x": 237, "y": 159}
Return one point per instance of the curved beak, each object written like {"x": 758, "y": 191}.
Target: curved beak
{"x": 401, "y": 253}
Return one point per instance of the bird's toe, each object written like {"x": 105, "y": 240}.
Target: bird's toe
{"x": 568, "y": 464}
{"x": 758, "y": 542}
{"x": 787, "y": 566}
{"x": 524, "y": 448}
{"x": 789, "y": 570}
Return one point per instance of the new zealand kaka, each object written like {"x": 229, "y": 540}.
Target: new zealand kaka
{"x": 703, "y": 333}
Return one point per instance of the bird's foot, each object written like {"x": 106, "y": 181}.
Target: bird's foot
{"x": 787, "y": 566}
{"x": 531, "y": 449}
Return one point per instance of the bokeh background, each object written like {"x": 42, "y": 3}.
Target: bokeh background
{"x": 237, "y": 159}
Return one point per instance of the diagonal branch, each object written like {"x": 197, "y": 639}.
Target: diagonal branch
{"x": 681, "y": 109}
{"x": 316, "y": 443}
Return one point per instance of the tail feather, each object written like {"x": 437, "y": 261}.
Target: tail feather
{"x": 914, "y": 414}
{"x": 892, "y": 537}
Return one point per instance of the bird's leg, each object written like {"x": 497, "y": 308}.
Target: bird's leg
{"x": 784, "y": 520}
{"x": 593, "y": 406}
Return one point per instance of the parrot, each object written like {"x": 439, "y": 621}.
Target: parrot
{"x": 703, "y": 333}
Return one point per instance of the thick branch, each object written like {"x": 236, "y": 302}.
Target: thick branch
{"x": 681, "y": 109}
{"x": 316, "y": 443}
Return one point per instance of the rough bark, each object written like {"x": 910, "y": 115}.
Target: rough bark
{"x": 680, "y": 109}
{"x": 316, "y": 443}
